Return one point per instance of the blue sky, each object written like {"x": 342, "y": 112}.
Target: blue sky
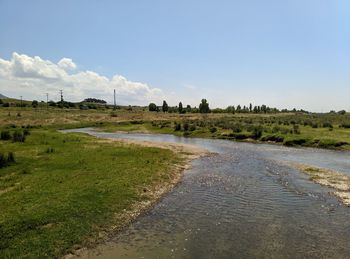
{"x": 291, "y": 53}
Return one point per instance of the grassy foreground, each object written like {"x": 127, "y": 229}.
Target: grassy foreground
{"x": 64, "y": 189}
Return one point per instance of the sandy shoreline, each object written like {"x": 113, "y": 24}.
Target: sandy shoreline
{"x": 152, "y": 195}
{"x": 337, "y": 181}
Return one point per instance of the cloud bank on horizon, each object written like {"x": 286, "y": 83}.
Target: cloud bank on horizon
{"x": 33, "y": 77}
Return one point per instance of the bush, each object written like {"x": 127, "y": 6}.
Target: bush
{"x": 186, "y": 134}
{"x": 177, "y": 126}
{"x": 186, "y": 126}
{"x": 213, "y": 130}
{"x": 50, "y": 150}
{"x": 327, "y": 125}
{"x": 236, "y": 128}
{"x": 18, "y": 136}
{"x": 295, "y": 141}
{"x": 274, "y": 138}
{"x": 330, "y": 143}
{"x": 11, "y": 157}
{"x": 152, "y": 107}
{"x": 241, "y": 135}
{"x": 296, "y": 129}
{"x": 7, "y": 160}
{"x": 192, "y": 127}
{"x": 345, "y": 125}
{"x": 26, "y": 132}
{"x": 5, "y": 135}
{"x": 257, "y": 132}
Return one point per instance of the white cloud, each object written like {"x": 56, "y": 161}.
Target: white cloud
{"x": 67, "y": 64}
{"x": 32, "y": 77}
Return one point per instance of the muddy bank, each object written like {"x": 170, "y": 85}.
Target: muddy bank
{"x": 337, "y": 181}
{"x": 151, "y": 194}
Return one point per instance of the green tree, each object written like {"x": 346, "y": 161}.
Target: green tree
{"x": 250, "y": 107}
{"x": 204, "y": 106}
{"x": 152, "y": 107}
{"x": 35, "y": 103}
{"x": 165, "y": 107}
{"x": 188, "y": 108}
{"x": 180, "y": 107}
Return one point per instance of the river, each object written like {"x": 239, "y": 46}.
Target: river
{"x": 244, "y": 201}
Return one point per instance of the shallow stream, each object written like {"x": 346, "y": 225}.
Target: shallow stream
{"x": 245, "y": 201}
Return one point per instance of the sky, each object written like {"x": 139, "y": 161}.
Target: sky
{"x": 285, "y": 54}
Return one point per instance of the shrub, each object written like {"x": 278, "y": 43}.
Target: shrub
{"x": 3, "y": 160}
{"x": 177, "y": 126}
{"x": 152, "y": 107}
{"x": 295, "y": 141}
{"x": 35, "y": 103}
{"x": 274, "y": 138}
{"x": 327, "y": 125}
{"x": 345, "y": 125}
{"x": 192, "y": 127}
{"x": 236, "y": 128}
{"x": 296, "y": 129}
{"x": 275, "y": 129}
{"x": 186, "y": 126}
{"x": 5, "y": 135}
{"x": 50, "y": 150}
{"x": 241, "y": 135}
{"x": 26, "y": 132}
{"x": 11, "y": 158}
{"x": 186, "y": 134}
{"x": 213, "y": 130}
{"x": 330, "y": 143}
{"x": 18, "y": 136}
{"x": 257, "y": 132}
{"x": 7, "y": 160}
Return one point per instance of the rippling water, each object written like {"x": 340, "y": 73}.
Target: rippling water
{"x": 244, "y": 201}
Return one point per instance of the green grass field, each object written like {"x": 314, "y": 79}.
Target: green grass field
{"x": 65, "y": 188}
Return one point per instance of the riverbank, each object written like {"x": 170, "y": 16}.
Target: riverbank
{"x": 231, "y": 128}
{"x": 152, "y": 194}
{"x": 68, "y": 191}
{"x": 337, "y": 181}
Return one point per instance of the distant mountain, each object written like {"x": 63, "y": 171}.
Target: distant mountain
{"x": 3, "y": 96}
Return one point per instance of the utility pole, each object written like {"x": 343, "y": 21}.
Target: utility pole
{"x": 47, "y": 101}
{"x": 21, "y": 102}
{"x": 115, "y": 104}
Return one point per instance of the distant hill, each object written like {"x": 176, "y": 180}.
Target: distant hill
{"x": 3, "y": 96}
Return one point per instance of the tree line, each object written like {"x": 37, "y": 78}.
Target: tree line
{"x": 204, "y": 108}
